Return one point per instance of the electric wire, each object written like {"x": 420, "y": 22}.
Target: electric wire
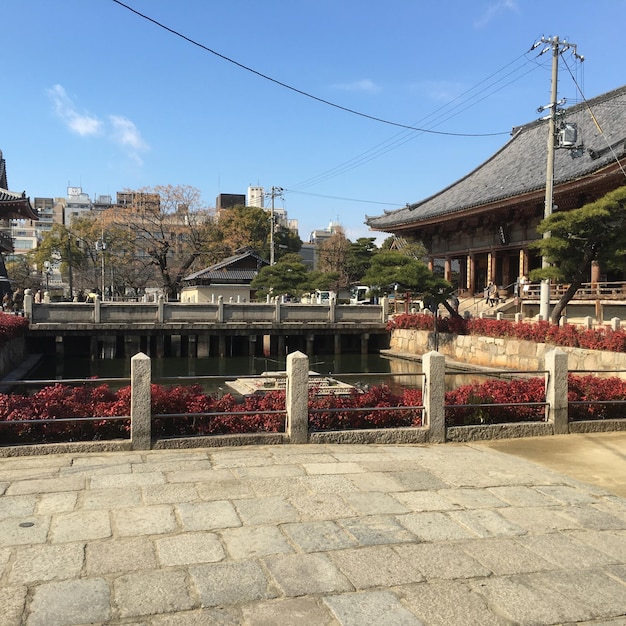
{"x": 595, "y": 121}
{"x": 404, "y": 136}
{"x": 295, "y": 89}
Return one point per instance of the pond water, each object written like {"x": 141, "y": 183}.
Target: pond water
{"x": 356, "y": 369}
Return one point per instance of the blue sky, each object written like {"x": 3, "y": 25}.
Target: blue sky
{"x": 98, "y": 97}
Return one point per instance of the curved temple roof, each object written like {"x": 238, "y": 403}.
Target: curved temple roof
{"x": 13, "y": 205}
{"x": 519, "y": 167}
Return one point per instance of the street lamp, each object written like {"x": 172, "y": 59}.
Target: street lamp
{"x": 47, "y": 270}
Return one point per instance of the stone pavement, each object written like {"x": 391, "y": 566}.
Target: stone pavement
{"x": 314, "y": 534}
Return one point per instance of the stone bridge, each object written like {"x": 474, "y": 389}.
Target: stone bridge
{"x": 120, "y": 329}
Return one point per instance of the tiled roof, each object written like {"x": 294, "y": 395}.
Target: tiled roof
{"x": 13, "y": 205}
{"x": 224, "y": 276}
{"x": 219, "y": 272}
{"x": 519, "y": 167}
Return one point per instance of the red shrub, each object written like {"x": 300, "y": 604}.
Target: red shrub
{"x": 12, "y": 326}
{"x": 500, "y": 393}
{"x": 376, "y": 397}
{"x": 593, "y": 388}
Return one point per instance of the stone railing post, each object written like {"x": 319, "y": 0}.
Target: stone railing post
{"x": 297, "y": 398}
{"x": 615, "y": 322}
{"x": 433, "y": 394}
{"x": 519, "y": 318}
{"x": 277, "y": 313}
{"x": 220, "y": 309}
{"x": 588, "y": 322}
{"x": 140, "y": 402}
{"x": 332, "y": 303}
{"x": 160, "y": 309}
{"x": 96, "y": 310}
{"x": 28, "y": 304}
{"x": 556, "y": 391}
{"x": 384, "y": 309}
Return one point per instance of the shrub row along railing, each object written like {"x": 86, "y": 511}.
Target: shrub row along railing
{"x": 150, "y": 419}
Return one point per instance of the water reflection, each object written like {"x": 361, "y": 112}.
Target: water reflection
{"x": 356, "y": 369}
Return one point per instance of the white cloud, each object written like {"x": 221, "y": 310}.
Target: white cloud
{"x": 365, "y": 85}
{"x": 119, "y": 129}
{"x": 494, "y": 9}
{"x": 125, "y": 132}
{"x": 81, "y": 124}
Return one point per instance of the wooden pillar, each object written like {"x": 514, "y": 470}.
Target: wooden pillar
{"x": 221, "y": 348}
{"x": 267, "y": 345}
{"x": 252, "y": 345}
{"x": 523, "y": 262}
{"x": 337, "y": 340}
{"x": 204, "y": 346}
{"x": 491, "y": 266}
{"x": 595, "y": 273}
{"x": 93, "y": 348}
{"x": 281, "y": 346}
{"x": 447, "y": 269}
{"x": 160, "y": 346}
{"x": 192, "y": 346}
{"x": 310, "y": 342}
{"x": 365, "y": 343}
{"x": 471, "y": 273}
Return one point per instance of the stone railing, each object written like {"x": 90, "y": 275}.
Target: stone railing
{"x": 219, "y": 312}
{"x": 433, "y": 429}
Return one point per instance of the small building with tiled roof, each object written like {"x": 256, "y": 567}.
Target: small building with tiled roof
{"x": 478, "y": 229}
{"x": 229, "y": 278}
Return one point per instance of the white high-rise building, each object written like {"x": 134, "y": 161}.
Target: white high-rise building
{"x": 256, "y": 196}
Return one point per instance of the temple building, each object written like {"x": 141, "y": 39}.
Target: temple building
{"x": 13, "y": 206}
{"x": 477, "y": 230}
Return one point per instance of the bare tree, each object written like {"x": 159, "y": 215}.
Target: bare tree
{"x": 173, "y": 230}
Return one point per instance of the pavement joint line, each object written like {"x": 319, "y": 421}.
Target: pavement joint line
{"x": 420, "y": 534}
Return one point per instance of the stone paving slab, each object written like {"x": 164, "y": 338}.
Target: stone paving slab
{"x": 322, "y": 534}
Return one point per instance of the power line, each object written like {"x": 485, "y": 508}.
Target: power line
{"x": 319, "y": 195}
{"x": 403, "y": 137}
{"x": 296, "y": 90}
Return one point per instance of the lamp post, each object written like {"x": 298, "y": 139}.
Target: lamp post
{"x": 47, "y": 270}
{"x": 101, "y": 246}
{"x": 70, "y": 275}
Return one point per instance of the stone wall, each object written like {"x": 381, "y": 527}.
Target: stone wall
{"x": 12, "y": 354}
{"x": 500, "y": 353}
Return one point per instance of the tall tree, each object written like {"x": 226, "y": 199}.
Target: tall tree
{"x": 390, "y": 268}
{"x": 360, "y": 255}
{"x": 173, "y": 229}
{"x": 594, "y": 232}
{"x": 288, "y": 277}
{"x": 333, "y": 258}
{"x": 245, "y": 227}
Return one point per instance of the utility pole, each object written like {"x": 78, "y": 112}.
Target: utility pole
{"x": 557, "y": 47}
{"x": 275, "y": 191}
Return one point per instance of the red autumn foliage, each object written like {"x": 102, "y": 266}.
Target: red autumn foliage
{"x": 590, "y": 390}
{"x": 322, "y": 417}
{"x": 182, "y": 411}
{"x": 540, "y": 332}
{"x": 500, "y": 393}
{"x": 12, "y": 326}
